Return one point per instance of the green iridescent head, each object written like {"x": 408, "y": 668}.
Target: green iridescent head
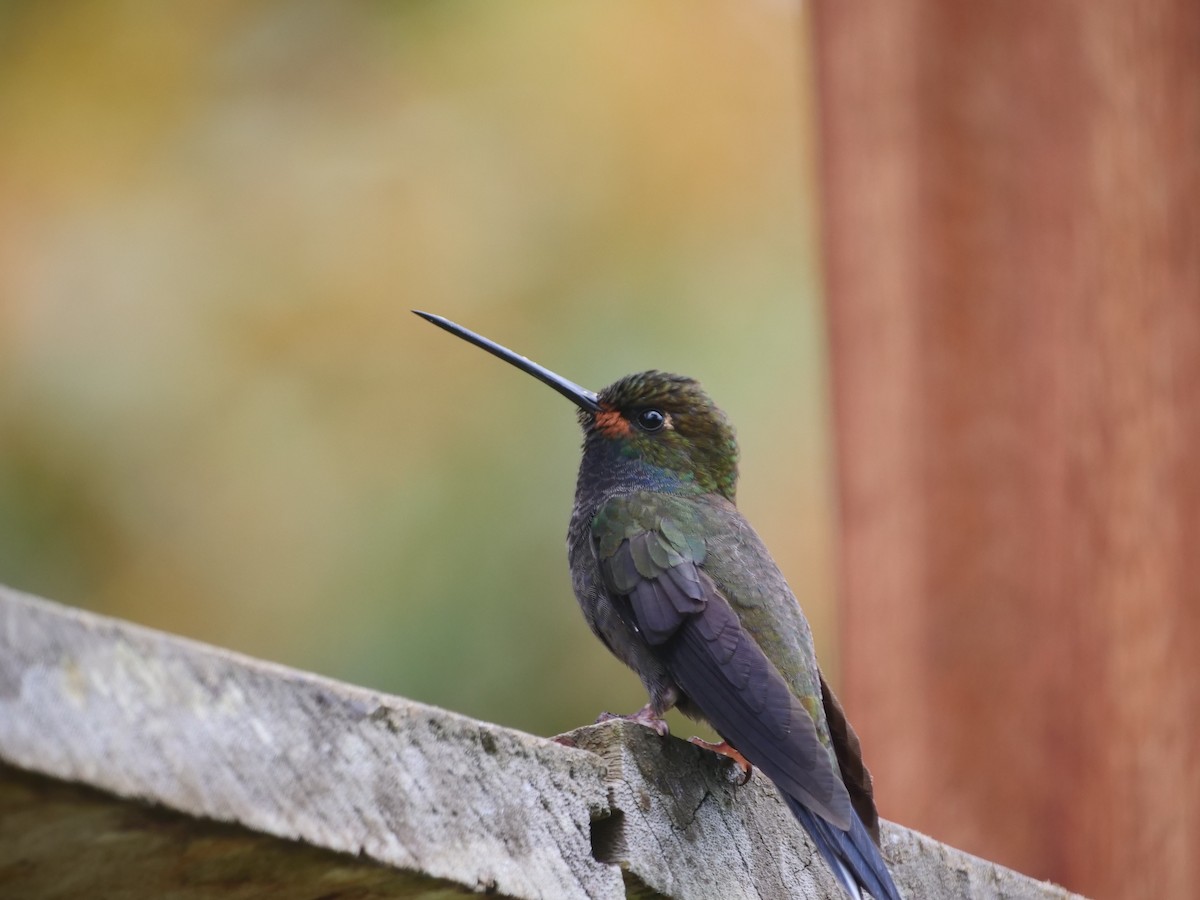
{"x": 671, "y": 423}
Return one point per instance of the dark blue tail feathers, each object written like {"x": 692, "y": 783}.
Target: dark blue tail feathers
{"x": 852, "y": 854}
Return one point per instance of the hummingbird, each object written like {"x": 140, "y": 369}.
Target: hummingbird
{"x": 678, "y": 586}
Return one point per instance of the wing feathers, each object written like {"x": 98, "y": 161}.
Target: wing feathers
{"x": 622, "y": 572}
{"x": 686, "y": 580}
{"x": 653, "y": 569}
{"x": 855, "y": 775}
{"x": 722, "y": 669}
{"x": 643, "y": 561}
{"x": 772, "y": 730}
{"x": 655, "y": 615}
{"x": 686, "y": 597}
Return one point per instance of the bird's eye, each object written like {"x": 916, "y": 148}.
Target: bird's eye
{"x": 651, "y": 419}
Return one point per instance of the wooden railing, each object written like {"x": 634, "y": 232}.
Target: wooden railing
{"x": 191, "y": 767}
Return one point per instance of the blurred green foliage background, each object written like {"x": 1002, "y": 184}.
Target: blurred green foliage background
{"x": 219, "y": 418}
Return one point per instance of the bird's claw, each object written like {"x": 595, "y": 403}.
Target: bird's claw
{"x": 740, "y": 763}
{"x": 645, "y": 716}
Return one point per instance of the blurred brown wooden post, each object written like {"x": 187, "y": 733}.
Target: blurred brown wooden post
{"x": 1012, "y": 248}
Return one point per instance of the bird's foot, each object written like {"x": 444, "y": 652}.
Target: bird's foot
{"x": 742, "y": 765}
{"x": 645, "y": 716}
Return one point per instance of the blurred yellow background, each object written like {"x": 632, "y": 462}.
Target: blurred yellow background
{"x": 219, "y": 418}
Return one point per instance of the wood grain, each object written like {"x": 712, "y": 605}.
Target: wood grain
{"x": 404, "y": 800}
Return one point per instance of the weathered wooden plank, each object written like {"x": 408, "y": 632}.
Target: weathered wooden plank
{"x": 446, "y": 803}
{"x": 62, "y": 840}
{"x": 210, "y": 733}
{"x": 682, "y": 829}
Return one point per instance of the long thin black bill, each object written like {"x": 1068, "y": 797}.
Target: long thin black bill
{"x": 581, "y": 397}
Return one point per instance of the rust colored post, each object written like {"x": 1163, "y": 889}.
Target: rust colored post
{"x": 1012, "y": 247}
